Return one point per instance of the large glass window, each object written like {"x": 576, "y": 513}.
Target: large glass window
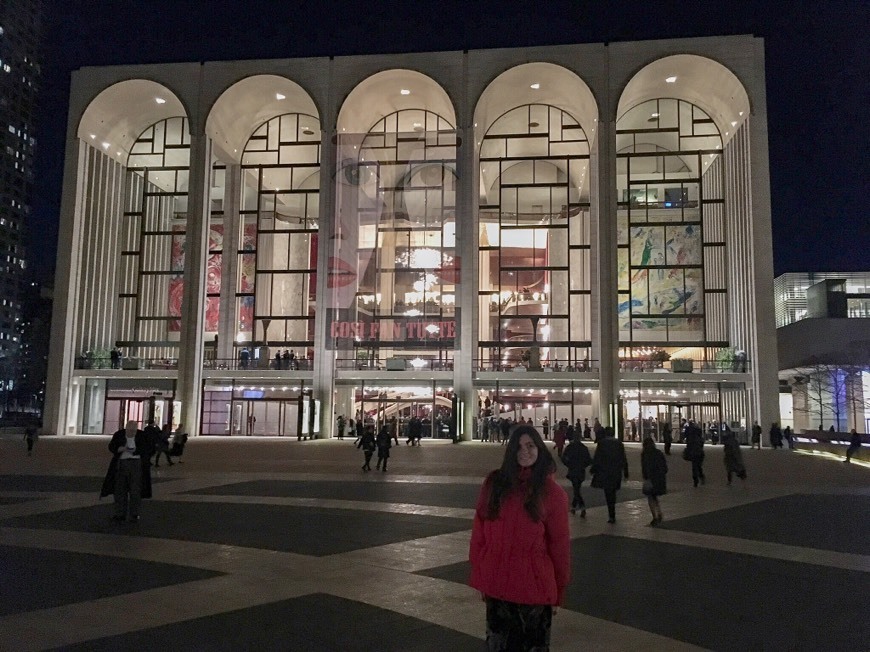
{"x": 534, "y": 228}
{"x": 277, "y": 238}
{"x": 151, "y": 281}
{"x": 671, "y": 232}
{"x": 393, "y": 270}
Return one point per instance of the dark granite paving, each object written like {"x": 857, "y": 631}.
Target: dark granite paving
{"x": 438, "y": 495}
{"x": 9, "y": 500}
{"x": 40, "y": 579}
{"x": 316, "y": 623}
{"x": 73, "y": 483}
{"x": 434, "y": 494}
{"x": 303, "y": 530}
{"x": 717, "y": 600}
{"x": 828, "y": 522}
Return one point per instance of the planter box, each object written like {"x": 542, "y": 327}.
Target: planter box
{"x": 396, "y": 364}
{"x": 679, "y": 366}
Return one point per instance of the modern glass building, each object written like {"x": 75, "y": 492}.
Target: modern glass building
{"x": 571, "y": 232}
{"x": 20, "y": 34}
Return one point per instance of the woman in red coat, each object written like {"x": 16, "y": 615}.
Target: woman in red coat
{"x": 520, "y": 545}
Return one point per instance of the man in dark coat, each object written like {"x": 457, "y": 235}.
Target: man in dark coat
{"x": 667, "y": 436}
{"x": 153, "y": 433}
{"x": 129, "y": 475}
{"x": 756, "y": 435}
{"x": 694, "y": 452}
{"x": 576, "y": 457}
{"x": 608, "y": 468}
{"x": 384, "y": 441}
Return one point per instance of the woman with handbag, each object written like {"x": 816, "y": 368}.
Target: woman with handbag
{"x": 654, "y": 469}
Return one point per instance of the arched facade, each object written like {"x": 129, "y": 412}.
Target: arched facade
{"x": 455, "y": 236}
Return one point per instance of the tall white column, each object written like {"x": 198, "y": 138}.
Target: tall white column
{"x": 193, "y": 305}
{"x": 467, "y": 236}
{"x": 228, "y": 319}
{"x": 605, "y": 334}
{"x": 324, "y": 357}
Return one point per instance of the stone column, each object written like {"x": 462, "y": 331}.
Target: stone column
{"x": 192, "y": 308}
{"x": 324, "y": 358}
{"x": 467, "y": 251}
{"x": 605, "y": 334}
{"x": 228, "y": 320}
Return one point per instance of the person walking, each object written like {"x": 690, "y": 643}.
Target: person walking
{"x": 733, "y": 458}
{"x": 368, "y": 445}
{"x": 789, "y": 438}
{"x": 775, "y": 435}
{"x": 152, "y": 432}
{"x": 30, "y": 437}
{"x": 340, "y": 425}
{"x": 756, "y": 435}
{"x": 163, "y": 444}
{"x": 560, "y": 437}
{"x": 854, "y": 445}
{"x": 694, "y": 452}
{"x": 545, "y": 428}
{"x": 609, "y": 465}
{"x": 667, "y": 436}
{"x": 520, "y": 546}
{"x": 384, "y": 441}
{"x": 576, "y": 457}
{"x": 129, "y": 474}
{"x": 654, "y": 469}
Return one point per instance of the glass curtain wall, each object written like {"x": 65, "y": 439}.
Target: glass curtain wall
{"x": 393, "y": 270}
{"x": 151, "y": 278}
{"x": 671, "y": 234}
{"x": 277, "y": 245}
{"x": 534, "y": 281}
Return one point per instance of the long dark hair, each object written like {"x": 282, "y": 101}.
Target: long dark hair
{"x": 507, "y": 478}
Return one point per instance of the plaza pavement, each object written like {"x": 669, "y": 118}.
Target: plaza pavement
{"x": 272, "y": 544}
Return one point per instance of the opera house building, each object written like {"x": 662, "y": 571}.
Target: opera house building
{"x": 562, "y": 232}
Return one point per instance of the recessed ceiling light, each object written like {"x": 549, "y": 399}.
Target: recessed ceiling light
{"x": 119, "y": 153}
{"x": 535, "y": 86}
{"x": 93, "y": 136}
{"x": 671, "y": 79}
{"x": 741, "y": 113}
{"x": 734, "y": 123}
{"x": 405, "y": 91}
{"x": 417, "y": 124}
{"x": 279, "y": 96}
{"x": 105, "y": 145}
{"x": 654, "y": 115}
{"x": 160, "y": 100}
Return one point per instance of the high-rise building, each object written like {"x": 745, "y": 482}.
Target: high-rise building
{"x": 570, "y": 232}
{"x": 20, "y": 30}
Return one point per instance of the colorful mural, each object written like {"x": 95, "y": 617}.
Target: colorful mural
{"x": 213, "y": 277}
{"x": 654, "y": 287}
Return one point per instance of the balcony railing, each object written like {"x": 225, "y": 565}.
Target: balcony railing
{"x": 551, "y": 366}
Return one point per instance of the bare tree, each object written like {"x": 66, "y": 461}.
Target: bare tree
{"x": 833, "y": 393}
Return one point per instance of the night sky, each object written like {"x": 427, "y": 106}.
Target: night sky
{"x": 817, "y": 80}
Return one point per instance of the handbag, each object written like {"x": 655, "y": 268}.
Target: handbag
{"x": 647, "y": 488}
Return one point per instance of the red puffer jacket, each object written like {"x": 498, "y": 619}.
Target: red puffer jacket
{"x": 516, "y": 559}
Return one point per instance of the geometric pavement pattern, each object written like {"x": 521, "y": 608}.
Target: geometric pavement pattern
{"x": 265, "y": 544}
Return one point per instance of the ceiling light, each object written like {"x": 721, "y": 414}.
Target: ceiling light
{"x": 160, "y": 100}
{"x": 654, "y": 115}
{"x": 279, "y": 96}
{"x": 405, "y": 91}
{"x": 535, "y": 86}
{"x": 741, "y": 113}
{"x": 93, "y": 136}
{"x": 671, "y": 79}
{"x": 105, "y": 145}
{"x": 734, "y": 124}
